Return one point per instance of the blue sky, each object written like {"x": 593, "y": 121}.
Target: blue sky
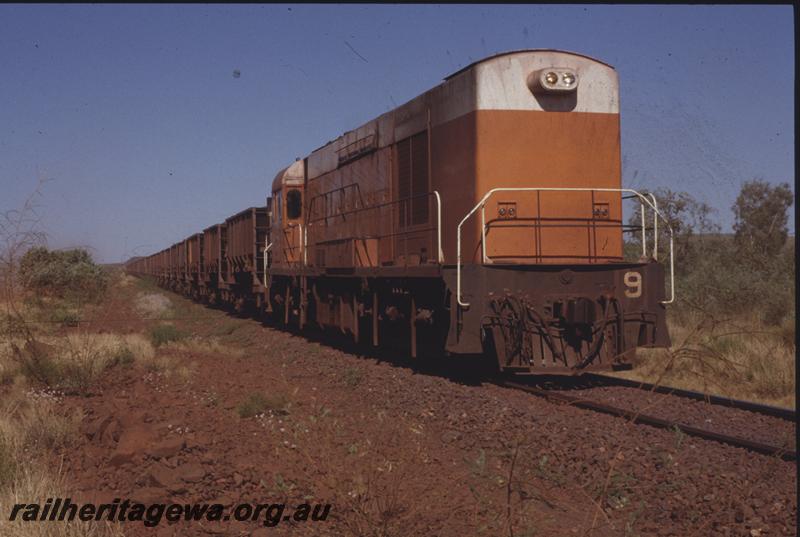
{"x": 134, "y": 114}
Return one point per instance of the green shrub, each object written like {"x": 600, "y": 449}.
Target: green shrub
{"x": 123, "y": 357}
{"x": 65, "y": 317}
{"x": 164, "y": 333}
{"x": 256, "y": 403}
{"x": 353, "y": 377}
{"x": 70, "y": 274}
{"x": 721, "y": 283}
{"x": 747, "y": 272}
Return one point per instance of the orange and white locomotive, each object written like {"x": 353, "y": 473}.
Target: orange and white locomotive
{"x": 483, "y": 216}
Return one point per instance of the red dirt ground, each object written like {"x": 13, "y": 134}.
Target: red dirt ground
{"x": 396, "y": 451}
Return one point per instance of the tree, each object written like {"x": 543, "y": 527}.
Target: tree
{"x": 19, "y": 232}
{"x": 761, "y": 217}
{"x": 688, "y": 219}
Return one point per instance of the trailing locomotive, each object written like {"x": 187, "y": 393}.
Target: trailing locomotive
{"x": 483, "y": 216}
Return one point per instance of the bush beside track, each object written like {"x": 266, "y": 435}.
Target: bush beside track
{"x": 733, "y": 324}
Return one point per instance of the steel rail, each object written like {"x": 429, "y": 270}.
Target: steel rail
{"x": 767, "y": 410}
{"x": 636, "y": 417}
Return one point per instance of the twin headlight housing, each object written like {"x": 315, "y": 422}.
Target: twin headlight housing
{"x": 553, "y": 80}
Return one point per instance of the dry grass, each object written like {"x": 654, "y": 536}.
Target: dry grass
{"x": 170, "y": 366}
{"x": 140, "y": 346}
{"x": 50, "y": 428}
{"x": 210, "y": 345}
{"x": 84, "y": 357}
{"x": 33, "y": 484}
{"x": 72, "y": 363}
{"x": 740, "y": 358}
{"x": 8, "y": 368}
{"x": 32, "y": 424}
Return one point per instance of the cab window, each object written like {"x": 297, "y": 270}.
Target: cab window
{"x": 278, "y": 206}
{"x": 294, "y": 204}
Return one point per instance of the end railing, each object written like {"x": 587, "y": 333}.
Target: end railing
{"x": 648, "y": 200}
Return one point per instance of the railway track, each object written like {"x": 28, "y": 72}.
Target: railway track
{"x": 767, "y": 410}
{"x": 636, "y": 416}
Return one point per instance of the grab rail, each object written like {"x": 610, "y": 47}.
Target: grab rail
{"x": 652, "y": 203}
{"x": 267, "y": 248}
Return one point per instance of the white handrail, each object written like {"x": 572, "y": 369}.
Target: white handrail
{"x": 653, "y": 205}
{"x": 644, "y": 232}
{"x": 266, "y": 249}
{"x": 483, "y": 234}
{"x": 655, "y": 226}
{"x": 439, "y": 225}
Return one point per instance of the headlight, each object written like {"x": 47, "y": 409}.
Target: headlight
{"x": 553, "y": 80}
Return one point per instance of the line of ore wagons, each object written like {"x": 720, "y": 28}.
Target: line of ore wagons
{"x": 223, "y": 263}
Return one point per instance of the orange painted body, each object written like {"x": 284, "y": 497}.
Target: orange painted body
{"x": 550, "y": 149}
{"x": 484, "y": 215}
{"x": 353, "y": 213}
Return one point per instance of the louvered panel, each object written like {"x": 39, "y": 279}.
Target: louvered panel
{"x": 419, "y": 178}
{"x": 404, "y": 179}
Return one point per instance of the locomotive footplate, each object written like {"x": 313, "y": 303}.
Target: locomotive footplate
{"x": 557, "y": 318}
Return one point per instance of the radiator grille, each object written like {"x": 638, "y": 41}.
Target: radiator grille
{"x": 412, "y": 179}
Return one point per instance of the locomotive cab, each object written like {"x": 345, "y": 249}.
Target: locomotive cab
{"x": 287, "y": 223}
{"x": 287, "y": 251}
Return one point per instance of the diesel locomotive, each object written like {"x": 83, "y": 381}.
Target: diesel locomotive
{"x": 483, "y": 216}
